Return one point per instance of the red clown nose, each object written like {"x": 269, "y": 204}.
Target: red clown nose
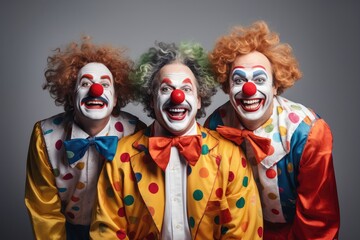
{"x": 96, "y": 90}
{"x": 177, "y": 96}
{"x": 249, "y": 89}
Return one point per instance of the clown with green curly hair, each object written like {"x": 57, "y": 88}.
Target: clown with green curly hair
{"x": 191, "y": 55}
{"x": 176, "y": 179}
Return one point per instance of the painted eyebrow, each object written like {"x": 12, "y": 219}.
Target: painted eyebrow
{"x": 105, "y": 77}
{"x": 259, "y": 66}
{"x": 240, "y": 73}
{"x": 255, "y": 66}
{"x": 187, "y": 80}
{"x": 167, "y": 81}
{"x": 258, "y": 73}
{"x": 89, "y": 76}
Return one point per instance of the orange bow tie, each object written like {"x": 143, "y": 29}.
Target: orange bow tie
{"x": 189, "y": 147}
{"x": 260, "y": 145}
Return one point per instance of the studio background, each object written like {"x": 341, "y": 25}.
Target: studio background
{"x": 325, "y": 36}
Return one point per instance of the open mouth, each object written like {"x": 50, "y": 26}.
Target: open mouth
{"x": 250, "y": 105}
{"x": 176, "y": 113}
{"x": 94, "y": 103}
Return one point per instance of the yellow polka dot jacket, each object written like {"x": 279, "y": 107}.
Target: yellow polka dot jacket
{"x": 223, "y": 204}
{"x": 58, "y": 193}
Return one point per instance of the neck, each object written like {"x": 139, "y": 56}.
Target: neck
{"x": 251, "y": 125}
{"x": 91, "y": 126}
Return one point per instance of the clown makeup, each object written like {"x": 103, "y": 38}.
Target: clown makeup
{"x": 94, "y": 92}
{"x": 251, "y": 89}
{"x": 176, "y": 100}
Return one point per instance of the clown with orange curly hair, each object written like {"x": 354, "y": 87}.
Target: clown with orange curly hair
{"x": 289, "y": 145}
{"x": 67, "y": 151}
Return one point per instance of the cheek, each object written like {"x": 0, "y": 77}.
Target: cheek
{"x": 109, "y": 92}
{"x": 234, "y": 90}
{"x": 80, "y": 94}
{"x": 266, "y": 88}
{"x": 160, "y": 100}
{"x": 111, "y": 96}
{"x": 192, "y": 99}
{"x": 163, "y": 98}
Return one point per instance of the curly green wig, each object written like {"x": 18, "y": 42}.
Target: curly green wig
{"x": 190, "y": 54}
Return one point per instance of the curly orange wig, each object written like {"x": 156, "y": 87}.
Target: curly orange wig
{"x": 64, "y": 65}
{"x": 257, "y": 37}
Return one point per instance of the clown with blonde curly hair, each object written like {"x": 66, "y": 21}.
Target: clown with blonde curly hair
{"x": 289, "y": 146}
{"x": 67, "y": 151}
{"x": 176, "y": 179}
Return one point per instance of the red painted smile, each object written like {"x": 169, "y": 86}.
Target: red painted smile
{"x": 250, "y": 105}
{"x": 176, "y": 113}
{"x": 94, "y": 103}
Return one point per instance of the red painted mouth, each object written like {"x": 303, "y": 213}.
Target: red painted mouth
{"x": 94, "y": 103}
{"x": 250, "y": 105}
{"x": 176, "y": 114}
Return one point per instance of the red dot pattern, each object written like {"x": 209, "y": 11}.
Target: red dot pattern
{"x": 153, "y": 188}
{"x": 231, "y": 176}
{"x": 125, "y": 157}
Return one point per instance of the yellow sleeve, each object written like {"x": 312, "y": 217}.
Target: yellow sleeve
{"x": 41, "y": 194}
{"x": 108, "y": 220}
{"x": 243, "y": 199}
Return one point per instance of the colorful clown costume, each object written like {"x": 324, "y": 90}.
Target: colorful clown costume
{"x": 58, "y": 193}
{"x": 296, "y": 180}
{"x": 222, "y": 198}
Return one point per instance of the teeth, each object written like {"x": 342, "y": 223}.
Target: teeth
{"x": 251, "y": 101}
{"x": 176, "y": 110}
{"x": 95, "y": 102}
{"x": 252, "y": 107}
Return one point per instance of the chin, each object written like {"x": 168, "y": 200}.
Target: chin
{"x": 174, "y": 130}
{"x": 97, "y": 115}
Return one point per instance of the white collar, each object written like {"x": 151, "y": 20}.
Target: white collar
{"x": 77, "y": 132}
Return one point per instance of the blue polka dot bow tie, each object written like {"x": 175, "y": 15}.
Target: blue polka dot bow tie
{"x": 76, "y": 148}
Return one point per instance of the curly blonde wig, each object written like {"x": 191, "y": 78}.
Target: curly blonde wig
{"x": 64, "y": 65}
{"x": 257, "y": 37}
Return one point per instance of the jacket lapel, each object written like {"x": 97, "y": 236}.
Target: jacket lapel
{"x": 149, "y": 178}
{"x": 201, "y": 179}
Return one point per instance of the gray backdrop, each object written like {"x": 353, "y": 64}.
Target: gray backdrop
{"x": 325, "y": 36}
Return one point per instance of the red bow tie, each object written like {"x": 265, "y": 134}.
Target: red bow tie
{"x": 189, "y": 147}
{"x": 260, "y": 145}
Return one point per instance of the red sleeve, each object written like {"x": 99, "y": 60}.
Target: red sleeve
{"x": 317, "y": 208}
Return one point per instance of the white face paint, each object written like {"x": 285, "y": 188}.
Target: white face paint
{"x": 253, "y": 110}
{"x": 176, "y": 118}
{"x": 88, "y": 106}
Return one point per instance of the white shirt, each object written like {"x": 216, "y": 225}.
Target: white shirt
{"x": 175, "y": 223}
{"x": 93, "y": 164}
